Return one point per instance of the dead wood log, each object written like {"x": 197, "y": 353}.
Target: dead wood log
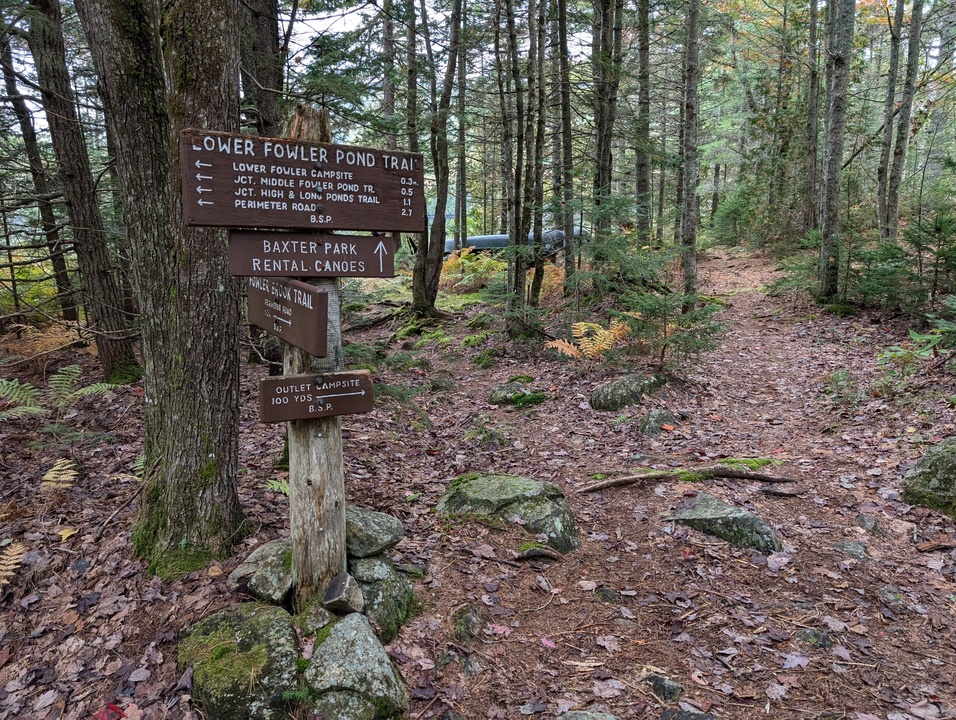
{"x": 704, "y": 473}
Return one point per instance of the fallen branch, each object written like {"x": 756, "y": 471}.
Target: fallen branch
{"x": 704, "y": 473}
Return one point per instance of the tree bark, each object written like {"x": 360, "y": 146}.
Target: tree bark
{"x": 903, "y": 122}
{"x": 689, "y": 212}
{"x": 886, "y": 144}
{"x": 811, "y": 195}
{"x": 262, "y": 63}
{"x": 839, "y": 56}
{"x": 642, "y": 168}
{"x": 31, "y": 147}
{"x": 190, "y": 509}
{"x": 567, "y": 149}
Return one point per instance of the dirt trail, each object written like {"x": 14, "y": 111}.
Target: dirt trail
{"x": 848, "y": 621}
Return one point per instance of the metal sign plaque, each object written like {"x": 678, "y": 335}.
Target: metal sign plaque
{"x": 301, "y": 397}
{"x": 264, "y": 253}
{"x": 291, "y": 310}
{"x": 234, "y": 180}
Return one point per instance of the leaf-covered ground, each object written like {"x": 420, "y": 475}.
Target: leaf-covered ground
{"x": 853, "y": 619}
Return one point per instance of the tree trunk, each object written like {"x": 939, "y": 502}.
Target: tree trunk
{"x": 839, "y": 54}
{"x": 536, "y": 27}
{"x": 48, "y": 221}
{"x": 428, "y": 259}
{"x": 567, "y": 159}
{"x": 190, "y": 509}
{"x": 606, "y": 62}
{"x": 262, "y": 63}
{"x": 642, "y": 168}
{"x": 889, "y": 102}
{"x": 903, "y": 122}
{"x": 104, "y": 298}
{"x": 689, "y": 212}
{"x": 811, "y": 196}
{"x": 388, "y": 81}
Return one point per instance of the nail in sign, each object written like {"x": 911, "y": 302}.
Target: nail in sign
{"x": 291, "y": 310}
{"x": 301, "y": 397}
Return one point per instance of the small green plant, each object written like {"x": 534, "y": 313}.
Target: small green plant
{"x": 473, "y": 341}
{"x": 437, "y": 336}
{"x": 528, "y": 399}
{"x": 486, "y": 435}
{"x": 841, "y": 387}
{"x": 280, "y": 486}
{"x": 486, "y": 358}
{"x": 406, "y": 361}
{"x": 61, "y": 393}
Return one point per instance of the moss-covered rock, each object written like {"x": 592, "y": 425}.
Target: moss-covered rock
{"x": 243, "y": 661}
{"x": 267, "y": 572}
{"x": 932, "y": 482}
{"x": 624, "y": 391}
{"x": 540, "y": 506}
{"x": 368, "y": 532}
{"x": 351, "y": 676}
{"x": 517, "y": 393}
{"x": 389, "y": 598}
{"x": 652, "y": 423}
{"x": 733, "y": 524}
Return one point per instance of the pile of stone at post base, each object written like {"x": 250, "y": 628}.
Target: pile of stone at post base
{"x": 259, "y": 662}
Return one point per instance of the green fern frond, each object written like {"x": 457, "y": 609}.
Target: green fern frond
{"x": 94, "y": 389}
{"x": 19, "y": 393}
{"x": 21, "y": 411}
{"x": 62, "y": 383}
{"x": 279, "y": 486}
{"x": 60, "y": 476}
{"x": 10, "y": 557}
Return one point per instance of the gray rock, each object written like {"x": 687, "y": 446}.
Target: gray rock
{"x": 368, "y": 532}
{"x": 868, "y": 523}
{"x": 624, "y": 391}
{"x": 351, "y": 676}
{"x": 665, "y": 689}
{"x": 540, "y": 506}
{"x": 932, "y": 482}
{"x": 389, "y": 598}
{"x": 243, "y": 660}
{"x": 686, "y": 715}
{"x": 815, "y": 638}
{"x": 652, "y": 423}
{"x": 582, "y": 715}
{"x": 515, "y": 393}
{"x": 266, "y": 573}
{"x": 465, "y": 623}
{"x": 344, "y": 595}
{"x": 729, "y": 523}
{"x": 315, "y": 617}
{"x": 854, "y": 549}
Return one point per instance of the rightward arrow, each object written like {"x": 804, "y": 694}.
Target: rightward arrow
{"x": 326, "y": 397}
{"x": 381, "y": 251}
{"x": 200, "y": 177}
{"x": 200, "y": 163}
{"x": 201, "y": 189}
{"x": 205, "y": 202}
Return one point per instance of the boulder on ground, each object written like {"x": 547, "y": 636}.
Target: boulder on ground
{"x": 733, "y": 524}
{"x": 351, "y": 677}
{"x": 932, "y": 482}
{"x": 652, "y": 423}
{"x": 540, "y": 507}
{"x": 266, "y": 573}
{"x": 389, "y": 597}
{"x": 243, "y": 661}
{"x": 368, "y": 532}
{"x": 624, "y": 391}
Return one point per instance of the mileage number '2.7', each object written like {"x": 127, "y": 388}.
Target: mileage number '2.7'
{"x": 238, "y": 181}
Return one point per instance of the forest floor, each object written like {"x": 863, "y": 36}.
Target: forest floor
{"x": 855, "y": 618}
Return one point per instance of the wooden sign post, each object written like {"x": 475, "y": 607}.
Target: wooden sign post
{"x": 305, "y": 184}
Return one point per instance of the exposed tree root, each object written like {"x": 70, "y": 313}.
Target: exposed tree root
{"x": 704, "y": 473}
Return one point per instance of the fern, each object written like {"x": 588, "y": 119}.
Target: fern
{"x": 23, "y": 398}
{"x": 565, "y": 348}
{"x": 279, "y": 486}
{"x": 60, "y": 476}
{"x": 10, "y": 558}
{"x": 62, "y": 390}
{"x": 592, "y": 339}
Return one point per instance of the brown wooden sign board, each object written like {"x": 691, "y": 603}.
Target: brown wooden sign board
{"x": 291, "y": 310}
{"x": 264, "y": 253}
{"x": 301, "y": 397}
{"x": 234, "y": 180}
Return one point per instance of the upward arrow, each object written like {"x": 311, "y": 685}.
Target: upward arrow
{"x": 381, "y": 251}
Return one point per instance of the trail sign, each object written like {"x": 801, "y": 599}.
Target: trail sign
{"x": 299, "y": 397}
{"x": 234, "y": 180}
{"x": 265, "y": 253}
{"x": 291, "y": 310}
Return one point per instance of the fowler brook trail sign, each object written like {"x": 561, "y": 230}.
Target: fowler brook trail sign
{"x": 245, "y": 181}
